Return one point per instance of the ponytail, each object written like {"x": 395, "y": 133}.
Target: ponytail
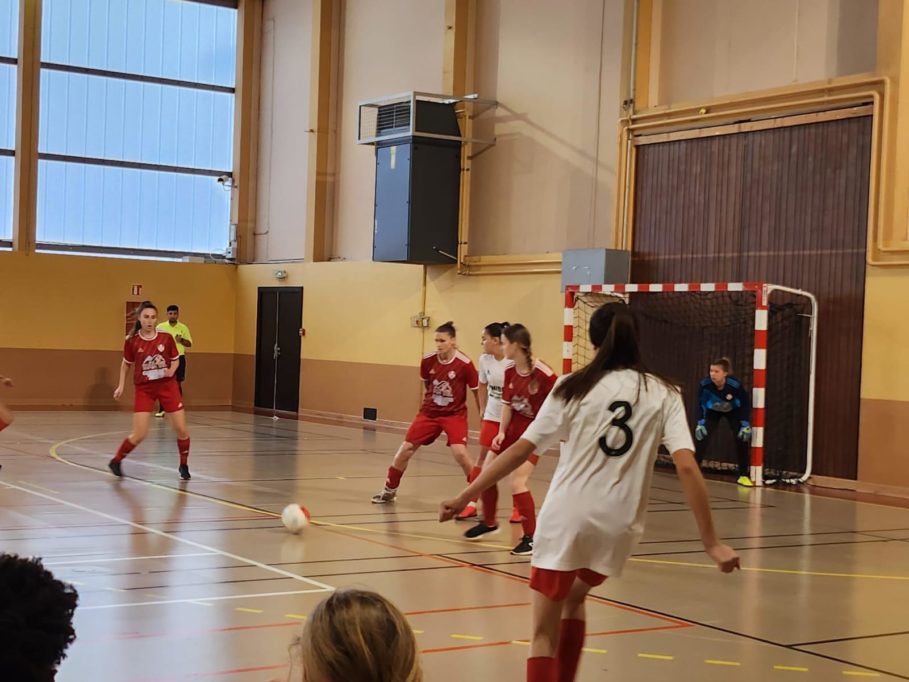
{"x": 138, "y": 324}
{"x": 614, "y": 333}
{"x": 447, "y": 328}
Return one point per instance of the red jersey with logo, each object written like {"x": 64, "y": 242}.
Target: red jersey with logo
{"x": 150, "y": 358}
{"x": 525, "y": 394}
{"x": 447, "y": 384}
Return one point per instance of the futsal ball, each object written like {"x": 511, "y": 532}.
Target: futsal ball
{"x": 295, "y": 518}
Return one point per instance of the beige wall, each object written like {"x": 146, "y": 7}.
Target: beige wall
{"x": 709, "y": 48}
{"x": 549, "y": 181}
{"x": 62, "y": 323}
{"x": 284, "y": 122}
{"x": 388, "y": 47}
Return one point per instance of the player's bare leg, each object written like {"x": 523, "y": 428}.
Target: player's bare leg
{"x": 462, "y": 457}
{"x": 137, "y": 435}
{"x": 398, "y": 466}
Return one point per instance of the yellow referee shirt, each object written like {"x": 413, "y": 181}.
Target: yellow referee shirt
{"x": 175, "y": 330}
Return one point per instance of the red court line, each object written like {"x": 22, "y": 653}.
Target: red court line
{"x": 463, "y": 647}
{"x": 466, "y": 608}
{"x": 285, "y": 624}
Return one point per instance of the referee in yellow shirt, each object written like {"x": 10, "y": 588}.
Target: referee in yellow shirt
{"x": 184, "y": 340}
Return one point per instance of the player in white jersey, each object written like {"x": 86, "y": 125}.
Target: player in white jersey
{"x": 613, "y": 414}
{"x": 491, "y": 367}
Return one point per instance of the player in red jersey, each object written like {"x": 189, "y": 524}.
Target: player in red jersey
{"x": 527, "y": 383}
{"x": 448, "y": 375}
{"x": 154, "y": 358}
{"x": 6, "y": 415}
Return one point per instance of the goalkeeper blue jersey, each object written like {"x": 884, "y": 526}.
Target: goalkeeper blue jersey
{"x": 732, "y": 396}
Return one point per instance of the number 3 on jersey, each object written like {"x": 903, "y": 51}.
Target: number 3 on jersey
{"x": 621, "y": 424}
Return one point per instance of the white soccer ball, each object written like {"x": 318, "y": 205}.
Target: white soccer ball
{"x": 295, "y": 518}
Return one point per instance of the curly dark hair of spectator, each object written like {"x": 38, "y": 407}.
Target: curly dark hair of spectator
{"x": 36, "y": 619}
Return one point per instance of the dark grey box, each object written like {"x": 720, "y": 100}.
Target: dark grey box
{"x": 595, "y": 266}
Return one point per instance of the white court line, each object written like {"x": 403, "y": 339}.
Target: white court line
{"x": 176, "y": 538}
{"x": 125, "y": 558}
{"x": 198, "y": 600}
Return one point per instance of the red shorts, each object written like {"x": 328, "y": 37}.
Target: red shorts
{"x": 488, "y": 431}
{"x": 164, "y": 391}
{"x": 424, "y": 430}
{"x": 512, "y": 438}
{"x": 555, "y": 585}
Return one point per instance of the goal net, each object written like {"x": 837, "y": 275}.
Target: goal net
{"x": 768, "y": 332}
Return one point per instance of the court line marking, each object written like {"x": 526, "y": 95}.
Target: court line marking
{"x": 35, "y": 485}
{"x": 657, "y": 657}
{"x": 783, "y": 571}
{"x": 125, "y": 558}
{"x": 198, "y": 600}
{"x": 859, "y": 673}
{"x": 472, "y": 638}
{"x": 243, "y": 609}
{"x": 175, "y": 538}
{"x": 713, "y": 661}
{"x": 791, "y": 668}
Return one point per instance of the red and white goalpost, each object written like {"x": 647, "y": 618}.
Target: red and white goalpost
{"x": 761, "y": 293}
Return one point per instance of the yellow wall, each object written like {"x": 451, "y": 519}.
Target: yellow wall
{"x": 77, "y": 303}
{"x": 549, "y": 181}
{"x": 352, "y": 312}
{"x": 709, "y": 48}
{"x": 885, "y": 360}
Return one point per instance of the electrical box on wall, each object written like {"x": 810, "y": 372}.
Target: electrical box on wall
{"x": 595, "y": 266}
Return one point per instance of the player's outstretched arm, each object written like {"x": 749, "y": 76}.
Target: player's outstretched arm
{"x": 503, "y": 465}
{"x": 692, "y": 481}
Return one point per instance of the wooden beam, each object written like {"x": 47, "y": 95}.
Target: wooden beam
{"x": 321, "y": 177}
{"x": 457, "y": 60}
{"x": 246, "y": 128}
{"x": 25, "y": 188}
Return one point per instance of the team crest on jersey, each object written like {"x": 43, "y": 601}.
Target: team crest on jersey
{"x": 160, "y": 347}
{"x": 729, "y": 397}
{"x": 452, "y": 374}
{"x": 534, "y": 387}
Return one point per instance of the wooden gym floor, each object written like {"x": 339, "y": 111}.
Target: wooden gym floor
{"x": 199, "y": 580}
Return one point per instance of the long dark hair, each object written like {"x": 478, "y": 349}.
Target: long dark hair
{"x": 495, "y": 329}
{"x": 145, "y": 305}
{"x": 519, "y": 334}
{"x": 614, "y": 333}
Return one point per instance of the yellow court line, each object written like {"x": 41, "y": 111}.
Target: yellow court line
{"x": 784, "y": 571}
{"x": 791, "y": 668}
{"x": 657, "y": 657}
{"x": 295, "y": 616}
{"x": 418, "y": 632}
{"x": 235, "y": 505}
{"x": 520, "y": 642}
{"x": 472, "y": 638}
{"x": 713, "y": 661}
{"x": 594, "y": 651}
{"x": 245, "y": 610}
{"x": 860, "y": 673}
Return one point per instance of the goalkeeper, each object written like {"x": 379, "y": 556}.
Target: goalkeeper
{"x": 722, "y": 397}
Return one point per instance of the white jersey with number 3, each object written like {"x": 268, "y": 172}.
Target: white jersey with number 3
{"x": 594, "y": 511}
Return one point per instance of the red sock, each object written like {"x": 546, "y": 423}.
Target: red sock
{"x": 394, "y": 478}
{"x": 3, "y": 424}
{"x": 542, "y": 669}
{"x": 490, "y": 498}
{"x": 125, "y": 448}
{"x": 523, "y": 502}
{"x": 571, "y": 641}
{"x": 183, "y": 447}
{"x": 471, "y": 477}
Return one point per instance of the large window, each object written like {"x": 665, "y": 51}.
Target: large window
{"x": 136, "y": 124}
{"x": 9, "y": 47}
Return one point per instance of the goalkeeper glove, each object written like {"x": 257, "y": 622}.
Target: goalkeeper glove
{"x": 700, "y": 431}
{"x": 745, "y": 432}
